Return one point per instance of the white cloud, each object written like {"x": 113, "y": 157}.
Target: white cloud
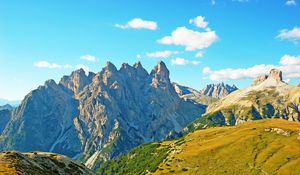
{"x": 46, "y": 64}
{"x": 138, "y": 56}
{"x": 88, "y": 58}
{"x": 190, "y": 39}
{"x": 290, "y": 2}
{"x": 200, "y": 22}
{"x": 199, "y": 54}
{"x": 289, "y": 65}
{"x": 161, "y": 54}
{"x": 182, "y": 61}
{"x": 195, "y": 62}
{"x": 179, "y": 61}
{"x": 290, "y": 60}
{"x": 84, "y": 67}
{"x": 292, "y": 35}
{"x": 138, "y": 23}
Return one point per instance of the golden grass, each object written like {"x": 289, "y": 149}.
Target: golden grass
{"x": 244, "y": 149}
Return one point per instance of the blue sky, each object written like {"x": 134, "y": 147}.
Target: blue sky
{"x": 238, "y": 39}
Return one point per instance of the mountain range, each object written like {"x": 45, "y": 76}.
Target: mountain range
{"x": 97, "y": 118}
{"x": 100, "y": 116}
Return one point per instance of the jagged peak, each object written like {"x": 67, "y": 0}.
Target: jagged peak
{"x": 160, "y": 69}
{"x": 276, "y": 74}
{"x": 50, "y": 82}
{"x": 79, "y": 71}
{"x": 138, "y": 65}
{"x": 218, "y": 90}
{"x": 221, "y": 84}
{"x": 110, "y": 67}
{"x": 126, "y": 66}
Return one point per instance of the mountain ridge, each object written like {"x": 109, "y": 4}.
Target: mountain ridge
{"x": 268, "y": 97}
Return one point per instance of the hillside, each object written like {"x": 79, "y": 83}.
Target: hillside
{"x": 270, "y": 146}
{"x": 268, "y": 97}
{"x": 39, "y": 163}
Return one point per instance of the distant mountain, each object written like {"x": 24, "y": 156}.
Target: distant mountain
{"x": 268, "y": 97}
{"x": 260, "y": 147}
{"x": 7, "y": 106}
{"x": 96, "y": 117}
{"x": 39, "y": 163}
{"x": 218, "y": 90}
{"x": 13, "y": 103}
{"x": 188, "y": 93}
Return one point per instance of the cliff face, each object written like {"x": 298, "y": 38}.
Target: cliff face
{"x": 99, "y": 116}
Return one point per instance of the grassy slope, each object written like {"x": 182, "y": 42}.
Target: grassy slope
{"x": 244, "y": 149}
{"x": 142, "y": 159}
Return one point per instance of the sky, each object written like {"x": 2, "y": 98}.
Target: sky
{"x": 201, "y": 41}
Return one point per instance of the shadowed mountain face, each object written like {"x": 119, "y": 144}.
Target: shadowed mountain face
{"x": 99, "y": 116}
{"x": 7, "y": 106}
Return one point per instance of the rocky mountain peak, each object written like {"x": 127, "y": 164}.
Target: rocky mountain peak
{"x": 50, "y": 83}
{"x": 76, "y": 81}
{"x": 274, "y": 74}
{"x": 140, "y": 69}
{"x": 138, "y": 65}
{"x": 218, "y": 90}
{"x": 110, "y": 67}
{"x": 161, "y": 69}
{"x": 80, "y": 71}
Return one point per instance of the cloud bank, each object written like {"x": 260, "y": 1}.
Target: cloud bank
{"x": 290, "y": 65}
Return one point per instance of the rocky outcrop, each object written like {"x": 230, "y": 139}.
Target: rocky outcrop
{"x": 218, "y": 90}
{"x": 259, "y": 80}
{"x": 39, "y": 163}
{"x": 96, "y": 117}
{"x": 274, "y": 75}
